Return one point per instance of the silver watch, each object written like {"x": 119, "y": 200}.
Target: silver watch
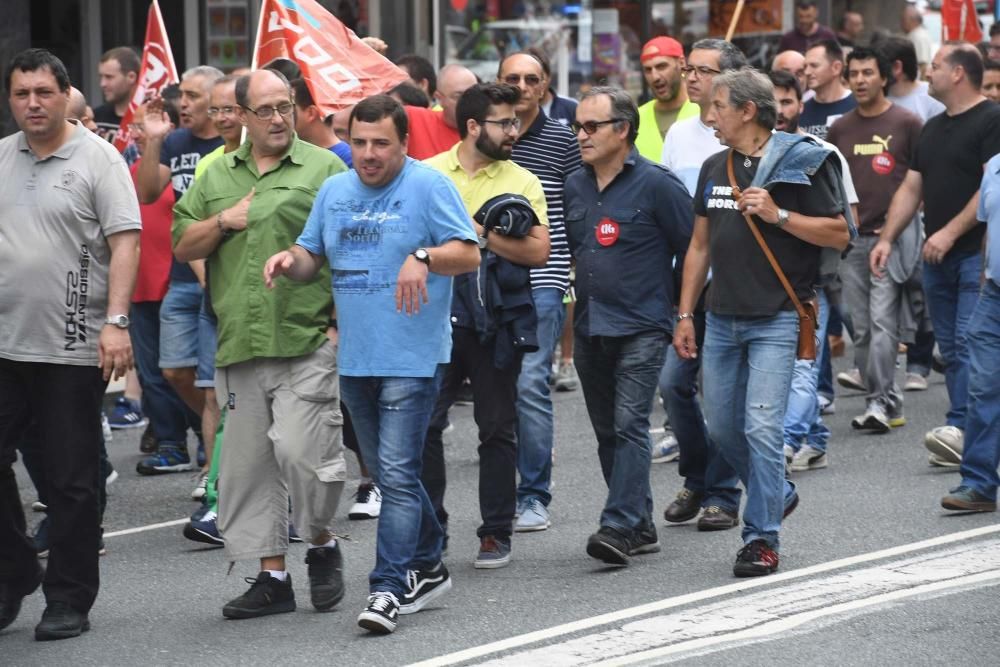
{"x": 120, "y": 321}
{"x": 782, "y": 218}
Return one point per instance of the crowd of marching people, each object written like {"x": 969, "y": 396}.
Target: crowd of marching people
{"x": 287, "y": 283}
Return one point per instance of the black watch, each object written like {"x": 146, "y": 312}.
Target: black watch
{"x": 422, "y": 256}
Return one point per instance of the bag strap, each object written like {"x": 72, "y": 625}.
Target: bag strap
{"x": 763, "y": 244}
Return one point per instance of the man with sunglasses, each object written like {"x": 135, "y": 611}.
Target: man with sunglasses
{"x": 662, "y": 60}
{"x": 481, "y": 168}
{"x": 622, "y": 210}
{"x": 276, "y": 367}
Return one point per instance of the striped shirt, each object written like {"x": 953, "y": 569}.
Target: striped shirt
{"x": 550, "y": 151}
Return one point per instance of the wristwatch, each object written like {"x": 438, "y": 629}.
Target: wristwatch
{"x": 422, "y": 256}
{"x": 782, "y": 218}
{"x": 120, "y": 321}
{"x": 684, "y": 316}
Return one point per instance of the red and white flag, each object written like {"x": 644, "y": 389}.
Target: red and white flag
{"x": 157, "y": 71}
{"x": 338, "y": 67}
{"x": 960, "y": 22}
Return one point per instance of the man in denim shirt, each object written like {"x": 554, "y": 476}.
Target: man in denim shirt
{"x": 622, "y": 211}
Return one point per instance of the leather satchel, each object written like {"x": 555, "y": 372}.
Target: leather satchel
{"x": 809, "y": 311}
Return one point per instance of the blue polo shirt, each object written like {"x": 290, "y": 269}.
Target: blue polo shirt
{"x": 629, "y": 242}
{"x": 988, "y": 212}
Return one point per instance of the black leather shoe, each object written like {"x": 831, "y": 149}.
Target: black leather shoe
{"x": 717, "y": 518}
{"x": 685, "y": 506}
{"x": 12, "y": 593}
{"x": 60, "y": 621}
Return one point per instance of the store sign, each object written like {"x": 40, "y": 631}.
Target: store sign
{"x": 157, "y": 71}
{"x": 339, "y": 68}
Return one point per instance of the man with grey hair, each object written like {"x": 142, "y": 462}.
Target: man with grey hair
{"x": 187, "y": 350}
{"x": 622, "y": 210}
{"x": 709, "y": 482}
{"x": 752, "y": 323}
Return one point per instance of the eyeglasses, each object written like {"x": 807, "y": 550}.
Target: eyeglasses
{"x": 529, "y": 79}
{"x": 702, "y": 70}
{"x": 591, "y": 126}
{"x": 265, "y": 113}
{"x": 228, "y": 111}
{"x": 506, "y": 125}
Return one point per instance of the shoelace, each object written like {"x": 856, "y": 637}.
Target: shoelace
{"x": 365, "y": 493}
{"x": 382, "y": 602}
{"x": 411, "y": 579}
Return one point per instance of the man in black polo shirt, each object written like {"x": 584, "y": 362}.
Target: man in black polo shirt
{"x": 622, "y": 211}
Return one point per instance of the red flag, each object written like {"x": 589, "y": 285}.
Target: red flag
{"x": 960, "y": 22}
{"x": 157, "y": 71}
{"x": 338, "y": 67}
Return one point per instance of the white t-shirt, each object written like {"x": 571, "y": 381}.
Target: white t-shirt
{"x": 922, "y": 44}
{"x": 845, "y": 171}
{"x": 688, "y": 144}
{"x": 919, "y": 102}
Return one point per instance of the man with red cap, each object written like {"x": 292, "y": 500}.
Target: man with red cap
{"x": 662, "y": 60}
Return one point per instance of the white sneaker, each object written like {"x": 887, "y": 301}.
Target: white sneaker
{"x": 874, "y": 419}
{"x": 666, "y": 450}
{"x": 566, "y": 377}
{"x": 939, "y": 462}
{"x": 826, "y": 405}
{"x": 915, "y": 382}
{"x": 106, "y": 428}
{"x": 808, "y": 458}
{"x": 202, "y": 487}
{"x": 947, "y": 442}
{"x": 367, "y": 504}
{"x": 851, "y": 380}
{"x": 789, "y": 455}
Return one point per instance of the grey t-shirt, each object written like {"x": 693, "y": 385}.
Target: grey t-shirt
{"x": 55, "y": 217}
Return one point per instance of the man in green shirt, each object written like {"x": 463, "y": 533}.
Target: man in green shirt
{"x": 276, "y": 370}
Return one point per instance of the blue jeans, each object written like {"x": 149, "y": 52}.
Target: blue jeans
{"x": 802, "y": 418}
{"x": 179, "y": 325}
{"x": 168, "y": 415}
{"x": 749, "y": 363}
{"x": 700, "y": 464}
{"x": 534, "y": 402}
{"x": 390, "y": 417}
{"x": 952, "y": 289}
{"x": 618, "y": 377}
{"x": 982, "y": 422}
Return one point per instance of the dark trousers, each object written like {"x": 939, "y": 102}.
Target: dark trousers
{"x": 494, "y": 392}
{"x": 70, "y": 456}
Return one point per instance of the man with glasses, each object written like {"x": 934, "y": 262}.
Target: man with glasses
{"x": 662, "y": 60}
{"x": 488, "y": 339}
{"x": 186, "y": 353}
{"x": 548, "y": 150}
{"x": 276, "y": 367}
{"x": 709, "y": 482}
{"x": 622, "y": 210}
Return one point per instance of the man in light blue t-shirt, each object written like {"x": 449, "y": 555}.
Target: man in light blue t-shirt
{"x": 394, "y": 232}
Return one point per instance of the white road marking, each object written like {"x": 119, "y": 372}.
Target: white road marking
{"x": 143, "y": 529}
{"x": 526, "y": 639}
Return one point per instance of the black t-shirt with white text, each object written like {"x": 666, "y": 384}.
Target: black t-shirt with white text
{"x": 107, "y": 121}
{"x": 743, "y": 282}
{"x": 950, "y": 155}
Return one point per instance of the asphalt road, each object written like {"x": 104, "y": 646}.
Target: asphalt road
{"x": 839, "y": 598}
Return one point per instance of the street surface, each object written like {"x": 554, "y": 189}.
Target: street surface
{"x": 873, "y": 572}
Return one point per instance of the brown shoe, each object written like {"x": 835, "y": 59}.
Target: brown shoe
{"x": 685, "y": 506}
{"x": 717, "y": 518}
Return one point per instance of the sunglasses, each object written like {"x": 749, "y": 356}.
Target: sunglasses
{"x": 529, "y": 79}
{"x": 591, "y": 126}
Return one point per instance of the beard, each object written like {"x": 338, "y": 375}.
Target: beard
{"x": 791, "y": 124}
{"x": 491, "y": 149}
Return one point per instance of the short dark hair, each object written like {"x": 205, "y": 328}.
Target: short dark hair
{"x": 843, "y": 19}
{"x": 901, "y": 49}
{"x": 782, "y": 79}
{"x": 127, "y": 58}
{"x": 32, "y": 60}
{"x": 834, "y": 51}
{"x": 243, "y": 86}
{"x": 994, "y": 29}
{"x": 289, "y": 69}
{"x": 968, "y": 58}
{"x": 419, "y": 68}
{"x": 475, "y": 103}
{"x": 868, "y": 53}
{"x": 375, "y": 108}
{"x": 730, "y": 56}
{"x": 301, "y": 93}
{"x": 410, "y": 95}
{"x": 622, "y": 106}
{"x": 991, "y": 65}
{"x": 805, "y": 4}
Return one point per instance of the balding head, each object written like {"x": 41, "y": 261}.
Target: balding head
{"x": 77, "y": 104}
{"x": 910, "y": 18}
{"x": 453, "y": 80}
{"x": 792, "y": 62}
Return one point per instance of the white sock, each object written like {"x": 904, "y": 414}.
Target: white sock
{"x": 280, "y": 575}
{"x": 332, "y": 543}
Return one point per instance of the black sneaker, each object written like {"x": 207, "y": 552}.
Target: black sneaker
{"x": 609, "y": 545}
{"x": 425, "y": 586}
{"x": 13, "y": 593}
{"x": 266, "y": 596}
{"x": 644, "y": 541}
{"x": 326, "y": 576}
{"x": 755, "y": 560}
{"x": 381, "y": 614}
{"x": 60, "y": 621}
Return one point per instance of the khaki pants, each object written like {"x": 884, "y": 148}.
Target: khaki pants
{"x": 282, "y": 437}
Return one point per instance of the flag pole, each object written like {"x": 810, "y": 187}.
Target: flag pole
{"x": 256, "y": 41}
{"x": 736, "y": 19}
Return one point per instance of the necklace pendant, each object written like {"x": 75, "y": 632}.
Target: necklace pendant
{"x": 746, "y": 162}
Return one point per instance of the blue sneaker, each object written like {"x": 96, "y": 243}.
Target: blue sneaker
{"x": 168, "y": 458}
{"x": 666, "y": 450}
{"x": 534, "y": 517}
{"x": 127, "y": 414}
{"x": 204, "y": 530}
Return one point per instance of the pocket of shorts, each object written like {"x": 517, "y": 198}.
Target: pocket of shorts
{"x": 314, "y": 376}
{"x": 332, "y": 466}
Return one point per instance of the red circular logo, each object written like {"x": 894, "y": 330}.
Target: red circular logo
{"x": 883, "y": 163}
{"x": 607, "y": 232}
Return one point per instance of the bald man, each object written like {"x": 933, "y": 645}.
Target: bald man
{"x": 794, "y": 63}
{"x": 433, "y": 132}
{"x": 79, "y": 109}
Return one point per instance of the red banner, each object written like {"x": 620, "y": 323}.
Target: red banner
{"x": 960, "y": 22}
{"x": 157, "y": 71}
{"x": 338, "y": 67}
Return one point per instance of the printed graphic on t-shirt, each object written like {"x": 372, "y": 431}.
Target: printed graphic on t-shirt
{"x": 362, "y": 228}
{"x": 77, "y": 292}
{"x": 719, "y": 196}
{"x": 182, "y": 170}
{"x": 882, "y": 161}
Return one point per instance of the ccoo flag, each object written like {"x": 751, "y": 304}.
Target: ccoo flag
{"x": 157, "y": 71}
{"x": 338, "y": 67}
{"x": 960, "y": 22}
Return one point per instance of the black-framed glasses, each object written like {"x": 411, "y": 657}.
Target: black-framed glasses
{"x": 506, "y": 125}
{"x": 266, "y": 113}
{"x": 529, "y": 79}
{"x": 702, "y": 70}
{"x": 592, "y": 126}
{"x": 228, "y": 111}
